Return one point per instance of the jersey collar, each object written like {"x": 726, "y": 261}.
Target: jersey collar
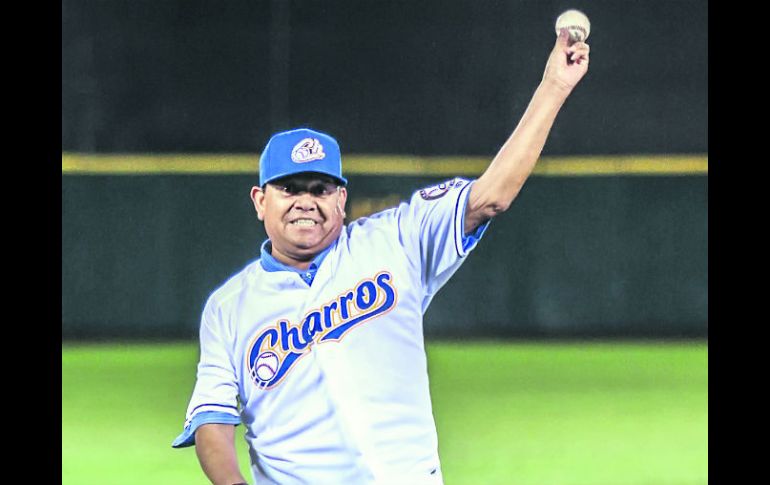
{"x": 270, "y": 264}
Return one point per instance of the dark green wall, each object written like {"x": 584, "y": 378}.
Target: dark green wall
{"x": 424, "y": 77}
{"x": 574, "y": 256}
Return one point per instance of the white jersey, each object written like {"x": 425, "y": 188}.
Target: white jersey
{"x": 330, "y": 378}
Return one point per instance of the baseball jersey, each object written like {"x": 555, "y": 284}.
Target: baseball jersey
{"x": 327, "y": 368}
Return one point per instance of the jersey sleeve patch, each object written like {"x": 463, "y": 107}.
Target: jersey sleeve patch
{"x": 440, "y": 190}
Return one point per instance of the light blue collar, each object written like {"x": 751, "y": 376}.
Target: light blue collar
{"x": 269, "y": 263}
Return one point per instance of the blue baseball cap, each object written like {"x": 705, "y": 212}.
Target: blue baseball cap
{"x": 299, "y": 151}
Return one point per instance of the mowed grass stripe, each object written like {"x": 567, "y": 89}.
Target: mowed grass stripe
{"x": 557, "y": 414}
{"x": 225, "y": 164}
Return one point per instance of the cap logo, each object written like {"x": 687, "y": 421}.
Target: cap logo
{"x": 307, "y": 150}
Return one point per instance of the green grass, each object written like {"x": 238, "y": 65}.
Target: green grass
{"x": 513, "y": 413}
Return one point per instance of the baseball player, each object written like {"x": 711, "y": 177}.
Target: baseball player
{"x": 316, "y": 347}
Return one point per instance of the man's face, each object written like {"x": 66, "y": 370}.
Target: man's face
{"x": 303, "y": 214}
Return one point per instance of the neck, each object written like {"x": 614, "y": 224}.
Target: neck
{"x": 301, "y": 264}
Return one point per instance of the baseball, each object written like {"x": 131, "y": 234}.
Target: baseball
{"x": 578, "y": 24}
{"x": 266, "y": 366}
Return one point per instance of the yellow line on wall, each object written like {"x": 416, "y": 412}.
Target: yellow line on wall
{"x": 226, "y": 164}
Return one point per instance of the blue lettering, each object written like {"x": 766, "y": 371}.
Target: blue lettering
{"x": 366, "y": 288}
{"x": 270, "y": 332}
{"x": 328, "y": 320}
{"x": 390, "y": 298}
{"x": 390, "y": 293}
{"x": 290, "y": 333}
{"x": 322, "y": 324}
{"x": 344, "y": 300}
{"x": 311, "y": 326}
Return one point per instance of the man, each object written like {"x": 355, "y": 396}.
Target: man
{"x": 317, "y": 347}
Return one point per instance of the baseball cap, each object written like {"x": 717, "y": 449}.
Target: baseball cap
{"x": 298, "y": 151}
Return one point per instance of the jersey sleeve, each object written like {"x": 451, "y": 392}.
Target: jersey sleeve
{"x": 432, "y": 229}
{"x": 214, "y": 398}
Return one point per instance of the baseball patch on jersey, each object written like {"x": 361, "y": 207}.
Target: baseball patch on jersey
{"x": 307, "y": 150}
{"x": 276, "y": 349}
{"x": 440, "y": 190}
{"x": 266, "y": 365}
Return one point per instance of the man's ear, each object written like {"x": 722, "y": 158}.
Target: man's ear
{"x": 258, "y": 198}
{"x": 342, "y": 200}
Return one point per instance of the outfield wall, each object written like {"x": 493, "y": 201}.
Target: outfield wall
{"x": 608, "y": 238}
{"x": 580, "y": 255}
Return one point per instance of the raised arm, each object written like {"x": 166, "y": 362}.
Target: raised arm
{"x": 499, "y": 185}
{"x": 215, "y": 447}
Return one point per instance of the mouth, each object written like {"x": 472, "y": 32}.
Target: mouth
{"x": 304, "y": 222}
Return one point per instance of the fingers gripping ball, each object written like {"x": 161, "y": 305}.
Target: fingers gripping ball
{"x": 266, "y": 366}
{"x": 577, "y": 23}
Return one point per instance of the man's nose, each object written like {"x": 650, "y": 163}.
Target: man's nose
{"x": 305, "y": 202}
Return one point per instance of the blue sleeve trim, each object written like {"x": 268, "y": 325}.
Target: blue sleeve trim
{"x": 470, "y": 240}
{"x": 187, "y": 438}
{"x": 466, "y": 241}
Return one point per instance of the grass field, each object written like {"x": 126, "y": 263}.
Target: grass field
{"x": 507, "y": 413}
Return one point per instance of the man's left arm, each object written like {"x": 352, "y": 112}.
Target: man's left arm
{"x": 498, "y": 186}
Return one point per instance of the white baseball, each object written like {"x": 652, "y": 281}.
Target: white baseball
{"x": 266, "y": 366}
{"x": 578, "y": 24}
